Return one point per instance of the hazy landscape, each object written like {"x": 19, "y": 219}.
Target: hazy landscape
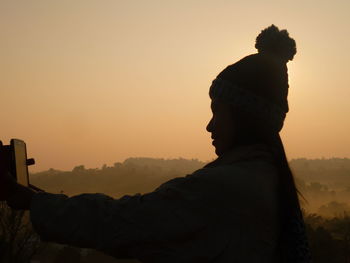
{"x": 89, "y": 82}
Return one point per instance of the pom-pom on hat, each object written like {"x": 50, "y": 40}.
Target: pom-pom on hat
{"x": 258, "y": 83}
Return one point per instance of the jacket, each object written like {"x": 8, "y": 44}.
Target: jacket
{"x": 226, "y": 211}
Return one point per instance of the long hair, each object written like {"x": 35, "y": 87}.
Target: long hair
{"x": 251, "y": 129}
{"x": 293, "y": 244}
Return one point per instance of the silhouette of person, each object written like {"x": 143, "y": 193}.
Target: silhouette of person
{"x": 242, "y": 207}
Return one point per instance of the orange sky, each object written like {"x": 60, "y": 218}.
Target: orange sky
{"x": 95, "y": 82}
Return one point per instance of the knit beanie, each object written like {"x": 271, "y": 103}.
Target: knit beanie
{"x": 258, "y": 83}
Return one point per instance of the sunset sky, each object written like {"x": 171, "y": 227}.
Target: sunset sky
{"x": 94, "y": 82}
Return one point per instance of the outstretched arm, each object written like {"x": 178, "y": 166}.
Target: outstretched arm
{"x": 209, "y": 202}
{"x": 173, "y": 212}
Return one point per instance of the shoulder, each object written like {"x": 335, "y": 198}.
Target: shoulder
{"x": 243, "y": 179}
{"x": 241, "y": 172}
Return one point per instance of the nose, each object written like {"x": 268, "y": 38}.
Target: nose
{"x": 209, "y": 125}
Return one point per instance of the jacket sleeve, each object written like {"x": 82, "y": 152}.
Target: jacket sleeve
{"x": 174, "y": 211}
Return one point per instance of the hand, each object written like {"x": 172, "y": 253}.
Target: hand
{"x": 21, "y": 197}
{"x": 17, "y": 196}
{"x": 7, "y": 184}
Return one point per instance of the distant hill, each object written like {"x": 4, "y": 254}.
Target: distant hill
{"x": 334, "y": 172}
{"x": 134, "y": 175}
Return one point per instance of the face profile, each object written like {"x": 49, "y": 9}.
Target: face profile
{"x": 221, "y": 126}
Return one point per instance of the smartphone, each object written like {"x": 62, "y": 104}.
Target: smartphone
{"x": 19, "y": 161}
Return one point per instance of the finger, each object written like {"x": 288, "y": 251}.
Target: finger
{"x": 4, "y": 158}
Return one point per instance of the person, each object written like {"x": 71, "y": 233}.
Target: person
{"x": 241, "y": 207}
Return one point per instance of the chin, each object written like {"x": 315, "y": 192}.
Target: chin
{"x": 221, "y": 149}
{"x": 218, "y": 151}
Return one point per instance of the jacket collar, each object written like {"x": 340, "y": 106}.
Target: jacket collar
{"x": 243, "y": 153}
